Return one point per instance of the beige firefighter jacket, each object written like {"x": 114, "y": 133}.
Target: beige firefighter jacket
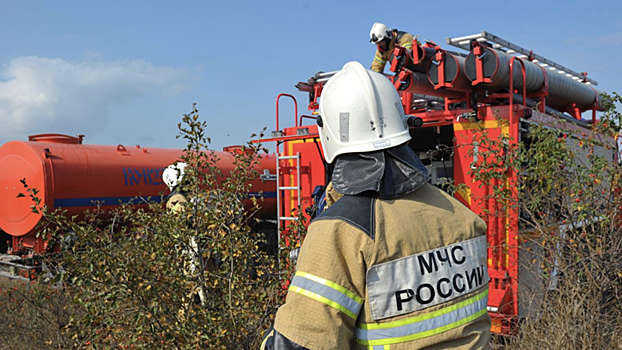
{"x": 175, "y": 202}
{"x": 380, "y": 59}
{"x": 408, "y": 273}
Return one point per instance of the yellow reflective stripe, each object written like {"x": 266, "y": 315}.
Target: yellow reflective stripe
{"x": 426, "y": 333}
{"x": 380, "y": 60}
{"x": 265, "y": 340}
{"x": 383, "y": 347}
{"x": 422, "y": 326}
{"x": 408, "y": 45}
{"x": 323, "y": 300}
{"x": 331, "y": 284}
{"x": 427, "y": 316}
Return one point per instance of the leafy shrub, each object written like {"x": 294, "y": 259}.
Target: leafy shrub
{"x": 149, "y": 277}
{"x": 562, "y": 186}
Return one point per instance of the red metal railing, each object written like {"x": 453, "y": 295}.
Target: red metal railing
{"x": 277, "y": 109}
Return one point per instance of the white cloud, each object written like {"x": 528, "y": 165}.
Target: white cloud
{"x": 49, "y": 94}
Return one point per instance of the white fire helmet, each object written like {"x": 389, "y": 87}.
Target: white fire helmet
{"x": 378, "y": 32}
{"x": 173, "y": 174}
{"x": 360, "y": 111}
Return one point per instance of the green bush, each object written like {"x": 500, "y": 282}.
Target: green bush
{"x": 138, "y": 275}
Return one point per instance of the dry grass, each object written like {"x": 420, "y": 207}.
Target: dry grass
{"x": 36, "y": 316}
{"x": 33, "y": 316}
{"x": 584, "y": 310}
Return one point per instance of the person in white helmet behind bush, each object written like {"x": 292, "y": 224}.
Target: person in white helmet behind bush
{"x": 173, "y": 176}
{"x": 395, "y": 263}
{"x": 385, "y": 40}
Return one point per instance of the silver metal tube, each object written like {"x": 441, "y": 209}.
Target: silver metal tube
{"x": 325, "y": 74}
{"x": 466, "y": 38}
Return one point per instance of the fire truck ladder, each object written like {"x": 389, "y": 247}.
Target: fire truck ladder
{"x": 464, "y": 42}
{"x": 281, "y": 190}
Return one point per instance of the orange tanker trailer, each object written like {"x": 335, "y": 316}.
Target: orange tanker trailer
{"x": 76, "y": 177}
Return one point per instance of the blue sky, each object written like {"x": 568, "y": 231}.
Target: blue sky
{"x": 125, "y": 71}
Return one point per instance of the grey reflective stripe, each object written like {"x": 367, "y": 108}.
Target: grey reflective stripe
{"x": 424, "y": 325}
{"x": 326, "y": 292}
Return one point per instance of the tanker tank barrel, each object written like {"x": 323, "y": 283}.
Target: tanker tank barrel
{"x": 81, "y": 176}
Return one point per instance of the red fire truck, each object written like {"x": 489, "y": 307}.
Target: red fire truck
{"x": 487, "y": 83}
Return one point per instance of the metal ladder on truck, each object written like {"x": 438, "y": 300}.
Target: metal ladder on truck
{"x": 281, "y": 190}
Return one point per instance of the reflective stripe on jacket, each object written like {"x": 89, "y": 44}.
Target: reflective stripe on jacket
{"x": 397, "y": 274}
{"x": 380, "y": 59}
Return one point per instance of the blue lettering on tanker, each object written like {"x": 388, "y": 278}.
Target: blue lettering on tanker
{"x": 147, "y": 176}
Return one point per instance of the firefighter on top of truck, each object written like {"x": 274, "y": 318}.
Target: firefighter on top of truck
{"x": 395, "y": 262}
{"x": 385, "y": 39}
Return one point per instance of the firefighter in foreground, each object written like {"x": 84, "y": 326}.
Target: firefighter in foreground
{"x": 395, "y": 263}
{"x": 385, "y": 39}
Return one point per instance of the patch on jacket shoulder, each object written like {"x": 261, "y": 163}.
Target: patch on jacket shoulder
{"x": 358, "y": 211}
